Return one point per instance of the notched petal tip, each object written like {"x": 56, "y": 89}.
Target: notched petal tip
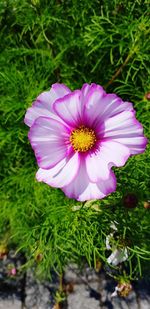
{"x": 60, "y": 86}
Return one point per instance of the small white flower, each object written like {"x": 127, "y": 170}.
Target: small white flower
{"x": 113, "y": 225}
{"x": 118, "y": 256}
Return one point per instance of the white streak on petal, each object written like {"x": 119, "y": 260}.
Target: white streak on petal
{"x": 61, "y": 174}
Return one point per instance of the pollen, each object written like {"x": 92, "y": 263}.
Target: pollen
{"x": 82, "y": 139}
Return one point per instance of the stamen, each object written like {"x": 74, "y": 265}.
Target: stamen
{"x": 82, "y": 139}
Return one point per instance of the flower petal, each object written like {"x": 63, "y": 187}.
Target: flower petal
{"x": 113, "y": 105}
{"x": 92, "y": 105}
{"x": 110, "y": 154}
{"x": 125, "y": 129}
{"x": 84, "y": 94}
{"x": 135, "y": 144}
{"x": 43, "y": 104}
{"x": 86, "y": 88}
{"x": 69, "y": 109}
{"x": 82, "y": 189}
{"x": 50, "y": 141}
{"x": 101, "y": 106}
{"x": 108, "y": 241}
{"x": 117, "y": 256}
{"x": 62, "y": 173}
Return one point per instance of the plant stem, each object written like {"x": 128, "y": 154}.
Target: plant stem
{"x": 119, "y": 70}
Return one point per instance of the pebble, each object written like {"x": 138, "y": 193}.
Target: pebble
{"x": 10, "y": 303}
{"x": 90, "y": 290}
{"x": 80, "y": 299}
{"x": 38, "y": 295}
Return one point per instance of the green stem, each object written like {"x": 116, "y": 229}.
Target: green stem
{"x": 120, "y": 69}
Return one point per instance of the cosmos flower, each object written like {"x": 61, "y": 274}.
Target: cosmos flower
{"x": 77, "y": 136}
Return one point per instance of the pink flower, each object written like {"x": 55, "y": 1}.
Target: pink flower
{"x": 78, "y": 136}
{"x": 13, "y": 271}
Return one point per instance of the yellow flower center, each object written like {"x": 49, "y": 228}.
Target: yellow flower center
{"x": 82, "y": 139}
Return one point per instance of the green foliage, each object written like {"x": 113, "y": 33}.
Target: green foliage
{"x": 71, "y": 42}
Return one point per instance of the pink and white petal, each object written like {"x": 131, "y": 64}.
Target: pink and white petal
{"x": 97, "y": 166}
{"x": 84, "y": 93}
{"x": 109, "y": 154}
{"x": 69, "y": 109}
{"x": 61, "y": 174}
{"x": 86, "y": 88}
{"x": 92, "y": 106}
{"x": 35, "y": 111}
{"x": 43, "y": 104}
{"x": 49, "y": 140}
{"x": 101, "y": 106}
{"x": 135, "y": 144}
{"x": 123, "y": 123}
{"x": 124, "y": 128}
{"x": 60, "y": 90}
{"x": 115, "y": 154}
{"x": 108, "y": 186}
{"x": 112, "y": 105}
{"x": 82, "y": 189}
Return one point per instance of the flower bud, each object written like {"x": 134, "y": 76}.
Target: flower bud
{"x": 39, "y": 257}
{"x": 147, "y": 96}
{"x": 130, "y": 200}
{"x": 13, "y": 271}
